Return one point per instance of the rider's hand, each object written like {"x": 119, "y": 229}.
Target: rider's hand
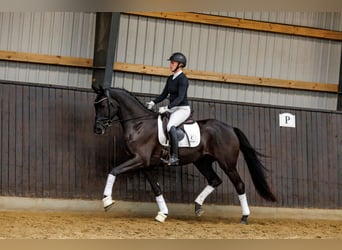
{"x": 163, "y": 109}
{"x": 149, "y": 105}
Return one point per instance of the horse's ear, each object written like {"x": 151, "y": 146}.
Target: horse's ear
{"x": 97, "y": 89}
{"x": 106, "y": 92}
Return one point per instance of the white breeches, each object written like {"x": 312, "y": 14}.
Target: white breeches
{"x": 178, "y": 115}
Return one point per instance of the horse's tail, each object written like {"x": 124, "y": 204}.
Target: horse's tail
{"x": 255, "y": 167}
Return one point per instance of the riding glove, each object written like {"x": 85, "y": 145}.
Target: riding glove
{"x": 150, "y": 105}
{"x": 163, "y": 109}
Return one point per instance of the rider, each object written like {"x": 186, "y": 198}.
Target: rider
{"x": 179, "y": 108}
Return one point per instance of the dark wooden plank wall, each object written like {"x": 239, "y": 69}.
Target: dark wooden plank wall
{"x": 48, "y": 149}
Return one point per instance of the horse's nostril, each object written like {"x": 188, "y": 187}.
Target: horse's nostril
{"x": 98, "y": 130}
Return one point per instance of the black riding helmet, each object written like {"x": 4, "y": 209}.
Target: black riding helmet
{"x": 178, "y": 57}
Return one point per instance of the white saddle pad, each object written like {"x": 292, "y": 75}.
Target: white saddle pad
{"x": 193, "y": 135}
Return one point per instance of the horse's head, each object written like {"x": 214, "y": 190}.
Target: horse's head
{"x": 106, "y": 109}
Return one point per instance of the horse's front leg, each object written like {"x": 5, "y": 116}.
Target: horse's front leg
{"x": 133, "y": 163}
{"x": 163, "y": 210}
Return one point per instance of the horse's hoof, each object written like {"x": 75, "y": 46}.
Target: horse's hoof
{"x": 107, "y": 203}
{"x": 161, "y": 217}
{"x": 198, "y": 210}
{"x": 107, "y": 208}
{"x": 244, "y": 219}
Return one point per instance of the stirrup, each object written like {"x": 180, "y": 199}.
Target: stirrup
{"x": 173, "y": 161}
{"x": 165, "y": 161}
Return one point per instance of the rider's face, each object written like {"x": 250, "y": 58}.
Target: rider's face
{"x": 173, "y": 65}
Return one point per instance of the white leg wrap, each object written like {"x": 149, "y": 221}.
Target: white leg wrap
{"x": 161, "y": 204}
{"x": 204, "y": 194}
{"x": 109, "y": 185}
{"x": 244, "y": 204}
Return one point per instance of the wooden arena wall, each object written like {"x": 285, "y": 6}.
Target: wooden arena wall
{"x": 48, "y": 149}
{"x": 267, "y": 57}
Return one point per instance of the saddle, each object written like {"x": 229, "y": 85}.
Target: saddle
{"x": 180, "y": 129}
{"x": 188, "y": 132}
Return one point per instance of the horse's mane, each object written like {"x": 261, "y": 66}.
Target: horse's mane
{"x": 134, "y": 97}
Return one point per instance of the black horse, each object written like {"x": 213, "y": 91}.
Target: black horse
{"x": 218, "y": 142}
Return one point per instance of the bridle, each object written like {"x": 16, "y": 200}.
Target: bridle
{"x": 107, "y": 121}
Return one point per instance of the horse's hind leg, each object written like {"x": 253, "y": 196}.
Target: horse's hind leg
{"x": 240, "y": 188}
{"x": 163, "y": 210}
{"x": 231, "y": 171}
{"x": 204, "y": 165}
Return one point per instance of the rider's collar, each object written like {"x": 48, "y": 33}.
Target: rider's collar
{"x": 176, "y": 74}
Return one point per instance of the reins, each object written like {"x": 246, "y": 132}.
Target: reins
{"x": 143, "y": 117}
{"x": 109, "y": 121}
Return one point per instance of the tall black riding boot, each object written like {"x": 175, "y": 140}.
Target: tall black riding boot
{"x": 173, "y": 147}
